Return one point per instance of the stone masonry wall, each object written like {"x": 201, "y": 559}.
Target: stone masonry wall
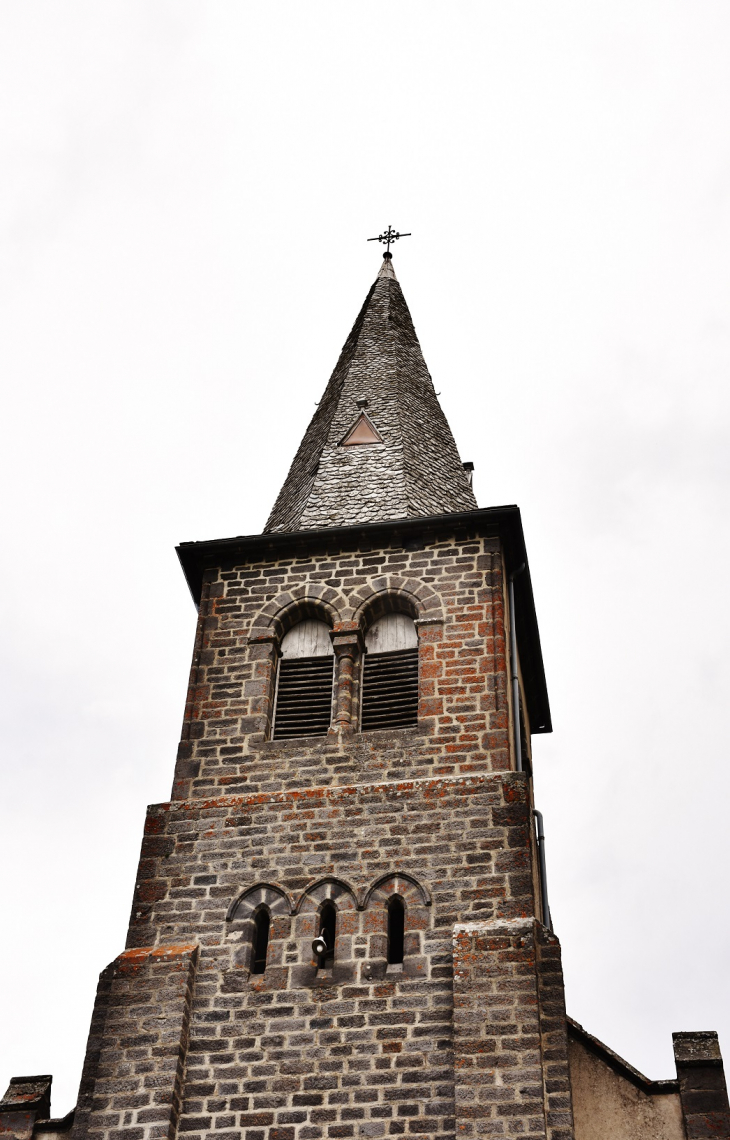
{"x": 454, "y": 590}
{"x": 510, "y": 1034}
{"x": 432, "y": 814}
{"x": 702, "y": 1086}
{"x": 366, "y": 1049}
{"x": 140, "y": 1057}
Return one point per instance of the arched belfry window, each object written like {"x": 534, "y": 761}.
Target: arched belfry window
{"x": 396, "y": 930}
{"x": 390, "y": 674}
{"x": 261, "y": 927}
{"x": 304, "y": 686}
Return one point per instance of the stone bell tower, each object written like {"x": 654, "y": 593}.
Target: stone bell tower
{"x": 340, "y": 924}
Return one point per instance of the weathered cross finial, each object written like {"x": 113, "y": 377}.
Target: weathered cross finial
{"x": 387, "y": 238}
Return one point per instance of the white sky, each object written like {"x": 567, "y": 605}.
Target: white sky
{"x": 186, "y": 194}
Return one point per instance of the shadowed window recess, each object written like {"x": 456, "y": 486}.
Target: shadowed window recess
{"x": 304, "y": 684}
{"x": 396, "y": 928}
{"x": 390, "y": 674}
{"x": 260, "y": 948}
{"x": 324, "y": 944}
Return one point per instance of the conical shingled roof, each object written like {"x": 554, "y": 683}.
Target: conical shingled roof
{"x": 415, "y": 470}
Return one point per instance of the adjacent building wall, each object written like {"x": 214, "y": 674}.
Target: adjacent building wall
{"x": 610, "y": 1105}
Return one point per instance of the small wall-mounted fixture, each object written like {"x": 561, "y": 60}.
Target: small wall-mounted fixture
{"x": 323, "y": 946}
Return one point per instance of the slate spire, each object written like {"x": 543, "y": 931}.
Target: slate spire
{"x": 378, "y": 446}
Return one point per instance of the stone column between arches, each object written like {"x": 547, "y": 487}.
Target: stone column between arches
{"x": 348, "y": 645}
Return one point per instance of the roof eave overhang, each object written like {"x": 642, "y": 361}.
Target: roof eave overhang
{"x": 502, "y": 522}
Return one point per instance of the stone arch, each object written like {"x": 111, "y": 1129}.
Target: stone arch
{"x": 307, "y": 601}
{"x": 307, "y": 924}
{"x": 273, "y": 622}
{"x": 415, "y": 898}
{"x": 395, "y": 594}
{"x": 240, "y": 923}
{"x": 398, "y": 883}
{"x": 329, "y": 887}
{"x": 266, "y": 894}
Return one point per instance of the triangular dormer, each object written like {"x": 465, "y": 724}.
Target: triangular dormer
{"x": 362, "y": 433}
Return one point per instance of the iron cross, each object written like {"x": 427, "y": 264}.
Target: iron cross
{"x": 389, "y": 236}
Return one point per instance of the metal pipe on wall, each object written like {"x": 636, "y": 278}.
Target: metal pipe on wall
{"x": 513, "y": 668}
{"x": 546, "y": 918}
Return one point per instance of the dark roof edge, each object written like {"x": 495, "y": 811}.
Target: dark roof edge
{"x": 196, "y": 557}
{"x": 56, "y": 1123}
{"x": 623, "y": 1068}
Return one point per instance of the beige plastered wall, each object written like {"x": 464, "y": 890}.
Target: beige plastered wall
{"x": 607, "y": 1106}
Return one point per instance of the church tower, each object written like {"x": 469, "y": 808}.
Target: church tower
{"x": 340, "y": 925}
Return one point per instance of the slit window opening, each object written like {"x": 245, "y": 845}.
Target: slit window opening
{"x": 261, "y": 927}
{"x": 328, "y": 930}
{"x": 396, "y": 928}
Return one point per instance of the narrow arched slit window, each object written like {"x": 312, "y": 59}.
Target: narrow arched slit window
{"x": 390, "y": 674}
{"x": 260, "y": 948}
{"x": 396, "y": 929}
{"x": 304, "y": 684}
{"x": 328, "y": 930}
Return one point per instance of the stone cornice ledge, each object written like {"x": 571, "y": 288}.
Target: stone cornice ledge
{"x": 318, "y": 793}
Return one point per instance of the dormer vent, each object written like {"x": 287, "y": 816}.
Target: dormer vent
{"x": 363, "y": 431}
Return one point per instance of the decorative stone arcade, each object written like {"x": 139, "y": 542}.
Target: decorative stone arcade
{"x": 337, "y": 927}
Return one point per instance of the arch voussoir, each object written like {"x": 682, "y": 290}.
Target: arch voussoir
{"x": 398, "y": 883}
{"x": 307, "y": 601}
{"x": 260, "y": 894}
{"x": 389, "y": 593}
{"x": 337, "y": 890}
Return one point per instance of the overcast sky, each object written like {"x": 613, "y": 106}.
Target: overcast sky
{"x": 186, "y": 194}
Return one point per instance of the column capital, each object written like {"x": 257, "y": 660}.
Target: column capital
{"x": 347, "y": 642}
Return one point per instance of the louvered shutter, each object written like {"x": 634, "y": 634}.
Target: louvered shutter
{"x": 304, "y": 684}
{"x": 304, "y": 697}
{"x": 390, "y": 690}
{"x": 390, "y": 674}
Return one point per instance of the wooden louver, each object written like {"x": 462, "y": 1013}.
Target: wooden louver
{"x": 390, "y": 690}
{"x": 303, "y": 697}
